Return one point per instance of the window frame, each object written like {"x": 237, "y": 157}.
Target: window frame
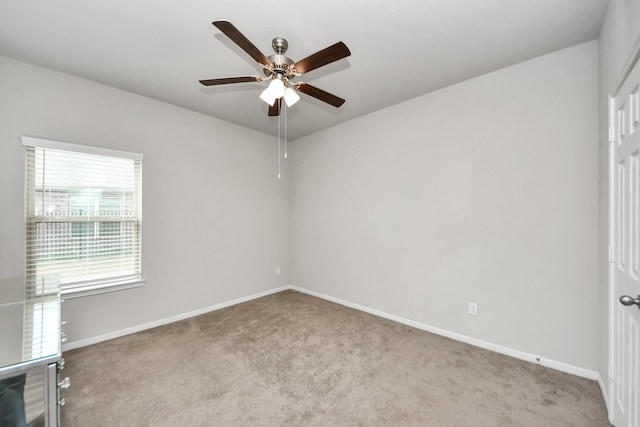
{"x": 86, "y": 287}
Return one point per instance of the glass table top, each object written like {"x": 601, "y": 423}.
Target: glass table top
{"x": 29, "y": 323}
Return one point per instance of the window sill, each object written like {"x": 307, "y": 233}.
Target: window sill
{"x": 79, "y": 291}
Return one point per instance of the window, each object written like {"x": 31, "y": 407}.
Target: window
{"x": 83, "y": 216}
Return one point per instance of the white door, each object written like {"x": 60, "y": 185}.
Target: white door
{"x": 626, "y": 240}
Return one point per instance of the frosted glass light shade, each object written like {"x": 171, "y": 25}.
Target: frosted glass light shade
{"x": 268, "y": 97}
{"x": 276, "y": 87}
{"x": 290, "y": 97}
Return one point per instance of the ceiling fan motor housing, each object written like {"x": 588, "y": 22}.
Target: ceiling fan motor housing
{"x": 279, "y": 64}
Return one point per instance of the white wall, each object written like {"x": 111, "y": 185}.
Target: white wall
{"x": 215, "y": 218}
{"x": 486, "y": 191}
{"x": 620, "y": 29}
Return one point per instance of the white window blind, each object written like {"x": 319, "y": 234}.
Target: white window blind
{"x": 83, "y": 215}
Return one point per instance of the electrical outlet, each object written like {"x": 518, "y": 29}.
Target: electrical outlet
{"x": 473, "y": 308}
{"x": 277, "y": 270}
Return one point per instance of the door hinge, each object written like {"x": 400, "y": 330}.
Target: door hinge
{"x": 610, "y": 372}
{"x": 611, "y": 255}
{"x": 612, "y": 134}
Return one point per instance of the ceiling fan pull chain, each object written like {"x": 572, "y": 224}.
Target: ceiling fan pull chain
{"x": 285, "y": 129}
{"x": 279, "y": 155}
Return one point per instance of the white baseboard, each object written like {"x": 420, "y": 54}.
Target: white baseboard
{"x": 560, "y": 366}
{"x": 167, "y": 320}
{"x": 605, "y": 395}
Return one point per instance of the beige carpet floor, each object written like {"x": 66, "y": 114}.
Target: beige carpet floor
{"x": 292, "y": 359}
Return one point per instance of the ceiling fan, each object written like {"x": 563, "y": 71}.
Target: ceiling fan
{"x": 281, "y": 70}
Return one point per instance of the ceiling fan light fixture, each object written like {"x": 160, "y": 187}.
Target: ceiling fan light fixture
{"x": 268, "y": 97}
{"x": 290, "y": 96}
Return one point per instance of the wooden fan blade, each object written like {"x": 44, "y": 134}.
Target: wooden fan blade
{"x": 228, "y": 80}
{"x": 320, "y": 94}
{"x": 274, "y": 110}
{"x": 323, "y": 57}
{"x": 238, "y": 38}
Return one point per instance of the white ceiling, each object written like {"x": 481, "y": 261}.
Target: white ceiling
{"x": 399, "y": 50}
